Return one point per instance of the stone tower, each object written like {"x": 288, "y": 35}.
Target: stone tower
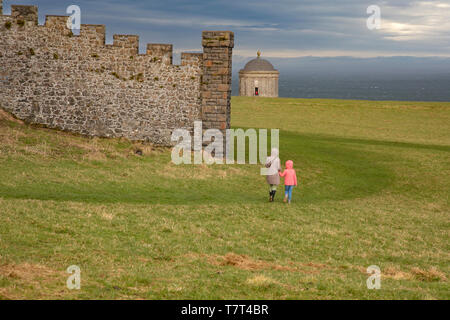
{"x": 258, "y": 79}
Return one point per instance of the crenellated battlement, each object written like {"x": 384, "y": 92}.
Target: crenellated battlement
{"x": 129, "y": 43}
{"x": 191, "y": 58}
{"x": 160, "y": 52}
{"x": 56, "y": 23}
{"x": 26, "y": 13}
{"x": 96, "y": 34}
{"x": 81, "y": 84}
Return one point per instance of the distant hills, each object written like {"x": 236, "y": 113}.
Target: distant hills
{"x": 350, "y": 66}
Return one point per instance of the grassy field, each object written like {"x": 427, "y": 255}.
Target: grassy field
{"x": 374, "y": 190}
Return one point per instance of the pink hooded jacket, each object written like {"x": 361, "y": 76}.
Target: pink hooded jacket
{"x": 290, "y": 178}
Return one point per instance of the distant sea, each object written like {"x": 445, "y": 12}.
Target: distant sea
{"x": 411, "y": 88}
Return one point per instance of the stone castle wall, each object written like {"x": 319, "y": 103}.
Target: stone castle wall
{"x": 80, "y": 84}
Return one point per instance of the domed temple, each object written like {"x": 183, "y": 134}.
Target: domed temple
{"x": 258, "y": 79}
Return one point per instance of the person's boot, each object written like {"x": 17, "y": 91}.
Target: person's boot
{"x": 274, "y": 192}
{"x": 270, "y": 196}
{"x": 285, "y": 199}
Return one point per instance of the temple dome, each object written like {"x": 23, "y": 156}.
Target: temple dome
{"x": 258, "y": 64}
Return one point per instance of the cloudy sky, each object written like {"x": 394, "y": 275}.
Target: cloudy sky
{"x": 280, "y": 28}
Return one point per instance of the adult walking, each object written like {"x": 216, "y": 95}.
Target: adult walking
{"x": 273, "y": 178}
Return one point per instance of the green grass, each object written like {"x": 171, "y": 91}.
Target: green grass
{"x": 374, "y": 190}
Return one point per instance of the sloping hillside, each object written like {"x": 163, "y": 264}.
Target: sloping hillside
{"x": 374, "y": 186}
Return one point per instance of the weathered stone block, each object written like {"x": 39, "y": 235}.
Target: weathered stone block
{"x": 223, "y": 87}
{"x": 160, "y": 52}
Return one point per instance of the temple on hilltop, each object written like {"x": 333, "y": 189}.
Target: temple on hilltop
{"x": 258, "y": 79}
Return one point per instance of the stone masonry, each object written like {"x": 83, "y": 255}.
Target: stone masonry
{"x": 49, "y": 76}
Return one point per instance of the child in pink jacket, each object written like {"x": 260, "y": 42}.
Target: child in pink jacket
{"x": 290, "y": 180}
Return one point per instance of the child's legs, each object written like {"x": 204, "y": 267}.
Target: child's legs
{"x": 288, "y": 192}
{"x": 273, "y": 187}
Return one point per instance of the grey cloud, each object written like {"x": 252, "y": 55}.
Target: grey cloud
{"x": 304, "y": 27}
